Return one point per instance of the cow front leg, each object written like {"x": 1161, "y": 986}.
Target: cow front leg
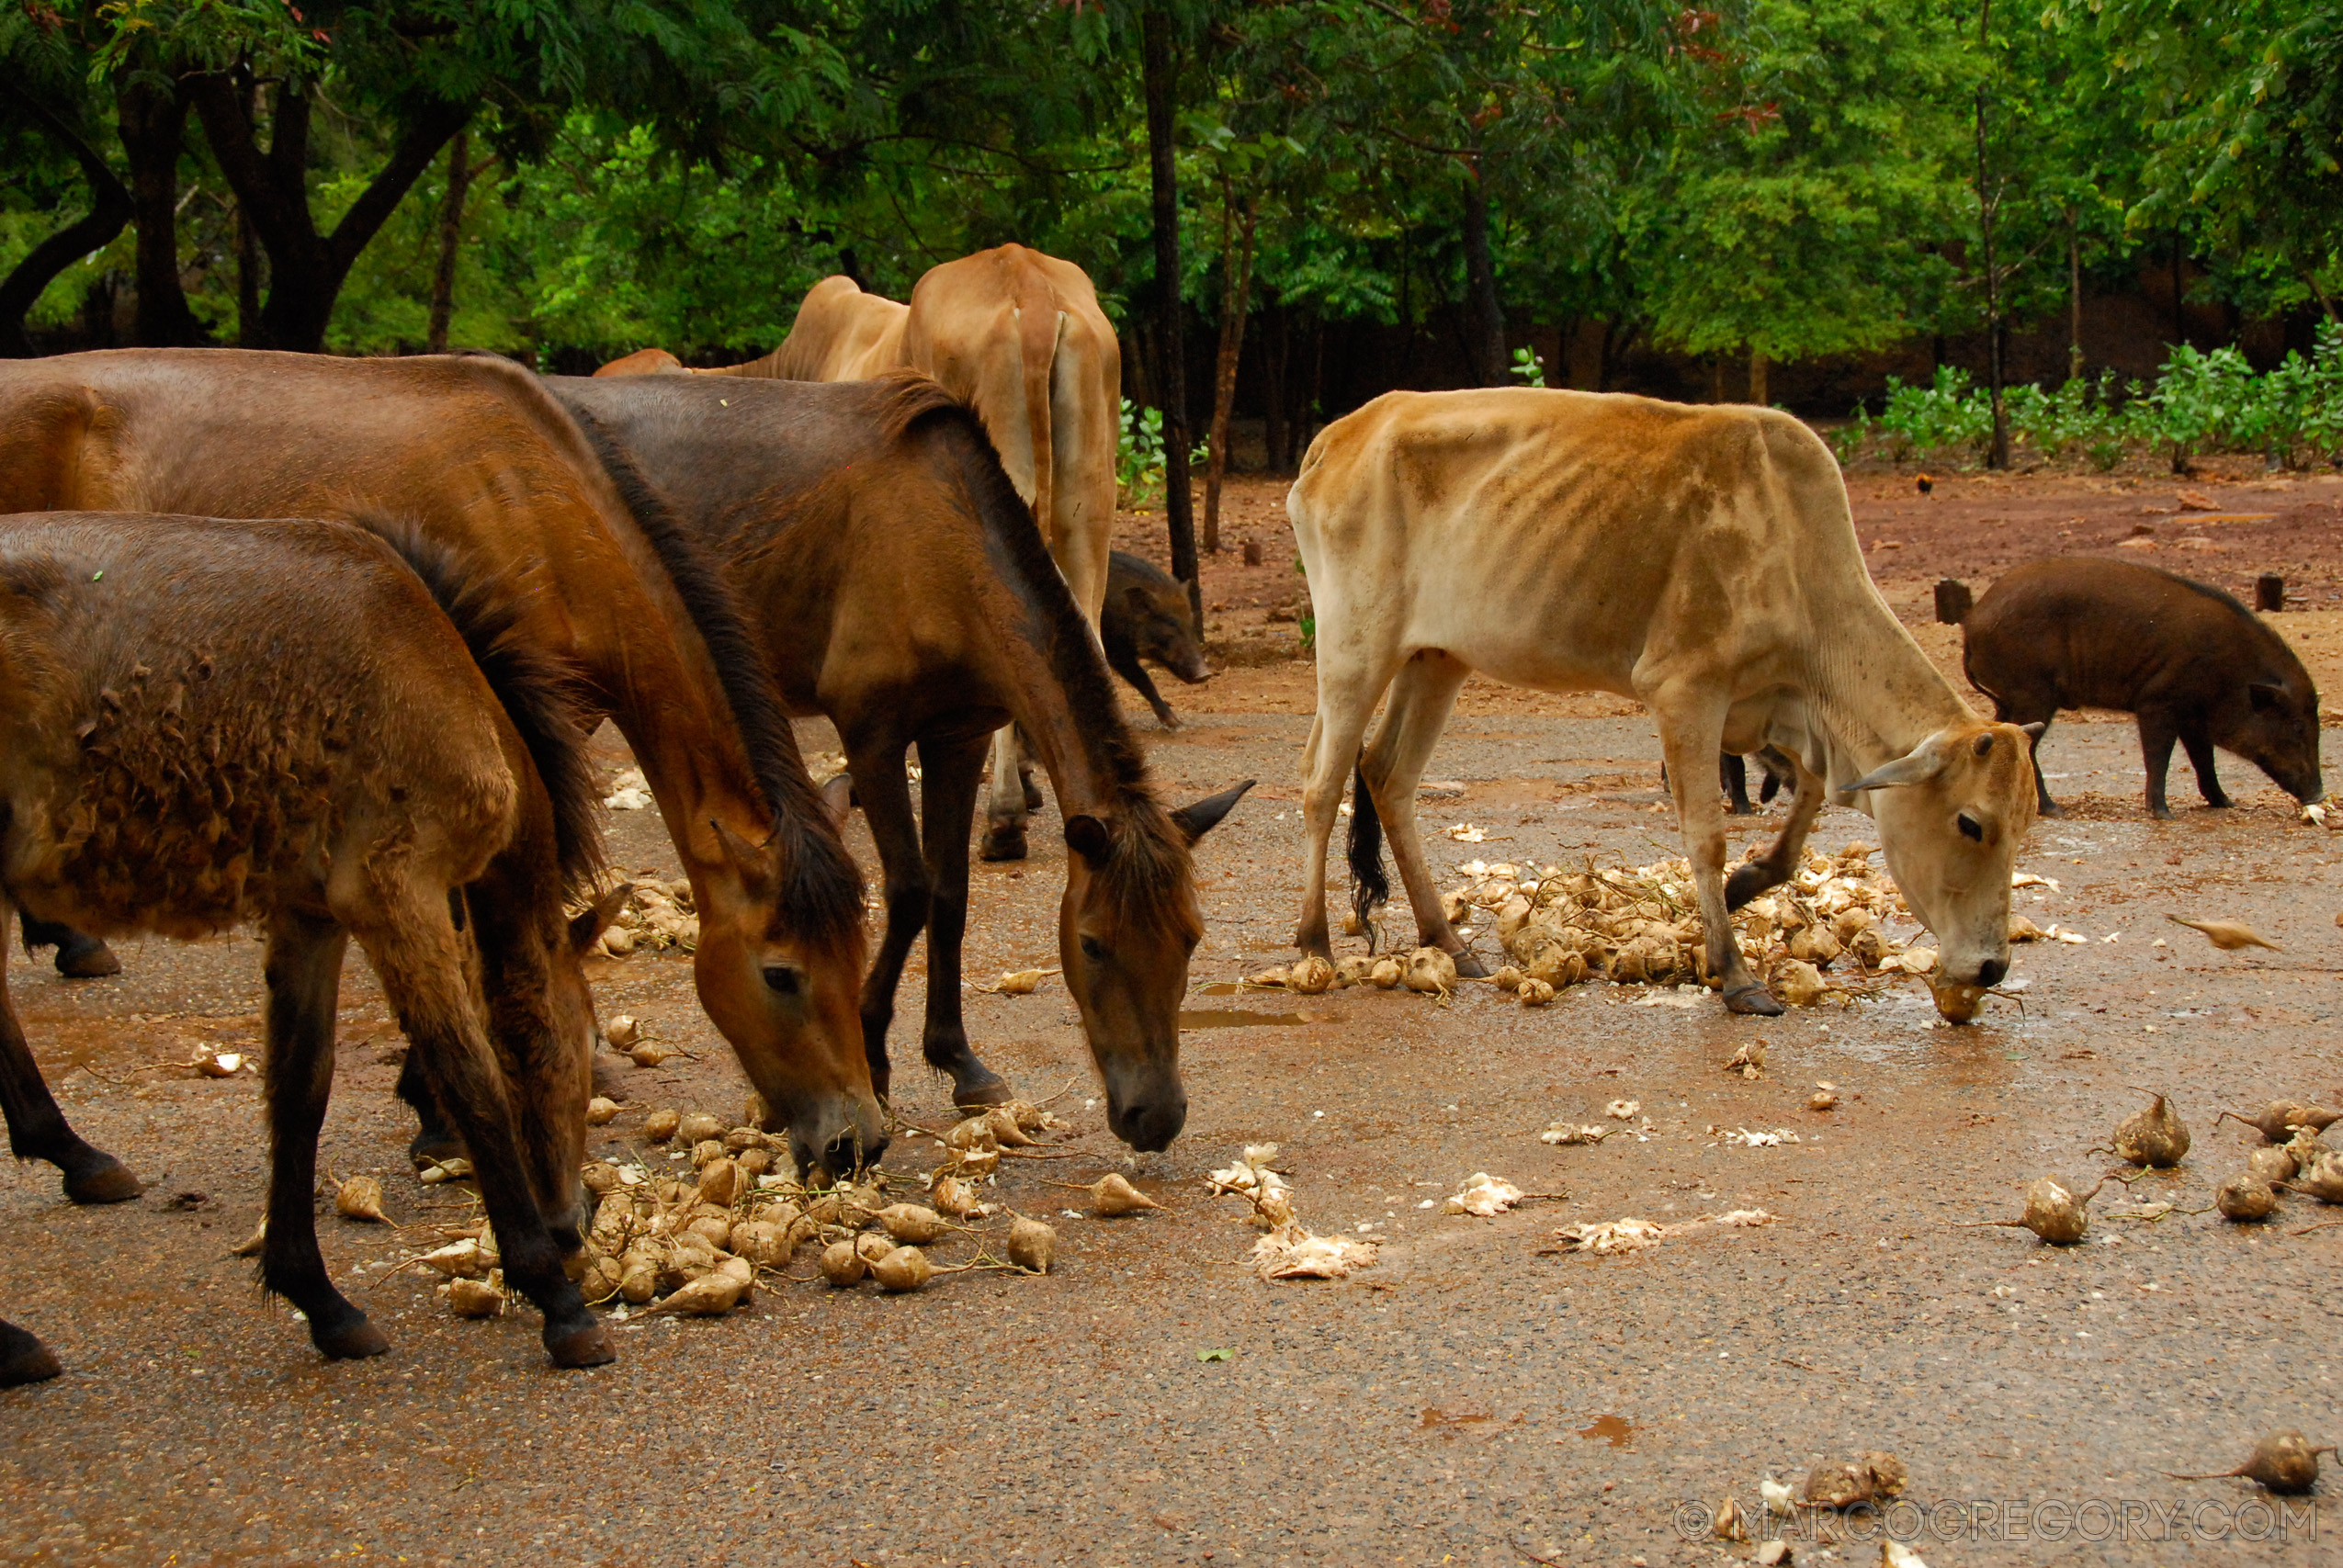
{"x": 2199, "y": 746}
{"x": 1733, "y": 773}
{"x": 1346, "y": 697}
{"x": 1393, "y": 766}
{"x": 80, "y": 956}
{"x": 1772, "y": 868}
{"x": 1689, "y": 740}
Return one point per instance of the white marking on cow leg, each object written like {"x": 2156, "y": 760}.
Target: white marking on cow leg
{"x": 1004, "y": 803}
{"x": 1421, "y": 697}
{"x": 1346, "y": 699}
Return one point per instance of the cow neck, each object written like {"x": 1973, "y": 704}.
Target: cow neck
{"x": 1879, "y": 695}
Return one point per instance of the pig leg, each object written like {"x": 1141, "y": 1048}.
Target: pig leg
{"x": 1127, "y": 665}
{"x": 2157, "y": 733}
{"x": 2021, "y": 712}
{"x": 2199, "y": 746}
{"x": 1733, "y": 773}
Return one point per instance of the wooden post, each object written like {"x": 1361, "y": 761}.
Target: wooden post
{"x": 1953, "y": 602}
{"x": 2269, "y": 592}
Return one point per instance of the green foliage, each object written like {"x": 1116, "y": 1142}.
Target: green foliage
{"x": 1139, "y": 457}
{"x": 1529, "y": 365}
{"x": 2201, "y": 402}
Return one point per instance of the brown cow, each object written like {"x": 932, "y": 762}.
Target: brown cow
{"x": 1018, "y": 336}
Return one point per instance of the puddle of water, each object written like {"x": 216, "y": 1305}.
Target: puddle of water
{"x": 1438, "y": 1417}
{"x": 1611, "y": 1429}
{"x": 1239, "y": 1018}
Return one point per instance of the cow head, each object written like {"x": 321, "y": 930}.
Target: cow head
{"x": 1952, "y": 812}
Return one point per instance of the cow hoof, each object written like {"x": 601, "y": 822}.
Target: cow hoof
{"x": 86, "y": 958}
{"x": 1167, "y": 719}
{"x": 2161, "y": 813}
{"x": 106, "y": 1181}
{"x": 23, "y": 1358}
{"x": 351, "y": 1341}
{"x": 1002, "y": 841}
{"x": 1748, "y": 881}
{"x": 974, "y": 1085}
{"x": 587, "y": 1347}
{"x": 1752, "y": 1001}
{"x": 2052, "y": 809}
{"x": 1033, "y": 796}
{"x": 1468, "y": 967}
{"x": 2220, "y": 804}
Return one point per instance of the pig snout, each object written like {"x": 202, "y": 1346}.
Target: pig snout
{"x": 1175, "y": 649}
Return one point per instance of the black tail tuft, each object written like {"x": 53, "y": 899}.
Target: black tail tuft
{"x": 1369, "y": 885}
{"x": 536, "y": 689}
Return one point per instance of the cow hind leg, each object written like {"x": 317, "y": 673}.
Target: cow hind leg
{"x": 1690, "y": 731}
{"x": 1393, "y": 766}
{"x": 37, "y": 1128}
{"x": 1733, "y": 773}
{"x": 1008, "y": 800}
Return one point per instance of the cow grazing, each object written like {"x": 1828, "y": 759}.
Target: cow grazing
{"x": 1018, "y": 336}
{"x": 1702, "y": 560}
{"x": 2192, "y": 663}
{"x": 1147, "y": 617}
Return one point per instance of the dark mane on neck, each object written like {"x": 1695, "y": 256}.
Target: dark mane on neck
{"x": 821, "y": 889}
{"x": 534, "y": 687}
{"x": 1149, "y": 857}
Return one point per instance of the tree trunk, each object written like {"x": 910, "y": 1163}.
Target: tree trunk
{"x": 109, "y": 209}
{"x": 1484, "y": 315}
{"x": 2074, "y": 296}
{"x": 1758, "y": 379}
{"x": 2180, "y": 308}
{"x": 306, "y": 269}
{"x": 1236, "y": 293}
{"x": 1997, "y": 452}
{"x": 152, "y": 123}
{"x": 1275, "y": 337}
{"x": 451, "y": 233}
{"x": 1161, "y": 73}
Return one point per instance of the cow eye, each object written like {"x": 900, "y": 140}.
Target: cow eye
{"x": 781, "y": 977}
{"x": 1972, "y": 829}
{"x": 1094, "y": 950}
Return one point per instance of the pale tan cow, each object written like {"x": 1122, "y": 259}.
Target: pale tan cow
{"x": 1018, "y": 336}
{"x": 1702, "y": 560}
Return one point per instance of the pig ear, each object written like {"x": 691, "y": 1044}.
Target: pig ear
{"x": 2266, "y": 694}
{"x": 588, "y": 925}
{"x": 1918, "y": 765}
{"x": 1201, "y": 818}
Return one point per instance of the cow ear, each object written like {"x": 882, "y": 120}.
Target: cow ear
{"x": 587, "y": 926}
{"x": 1918, "y": 765}
{"x": 2036, "y": 727}
{"x": 2266, "y": 694}
{"x": 1088, "y": 838}
{"x": 753, "y": 863}
{"x": 1196, "y": 820}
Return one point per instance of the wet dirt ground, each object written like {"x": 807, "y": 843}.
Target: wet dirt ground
{"x": 1471, "y": 1398}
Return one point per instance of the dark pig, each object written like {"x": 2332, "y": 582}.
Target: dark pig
{"x": 2191, "y": 664}
{"x": 1146, "y": 617}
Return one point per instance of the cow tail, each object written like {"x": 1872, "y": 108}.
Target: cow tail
{"x": 1039, "y": 326}
{"x": 1369, "y": 885}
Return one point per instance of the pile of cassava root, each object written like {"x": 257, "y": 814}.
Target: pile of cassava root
{"x": 659, "y": 914}
{"x": 1642, "y": 926}
{"x": 700, "y": 1243}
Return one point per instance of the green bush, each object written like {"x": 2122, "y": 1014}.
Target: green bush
{"x": 2201, "y": 402}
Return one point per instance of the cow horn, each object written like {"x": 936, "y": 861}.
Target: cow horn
{"x": 1923, "y": 763}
